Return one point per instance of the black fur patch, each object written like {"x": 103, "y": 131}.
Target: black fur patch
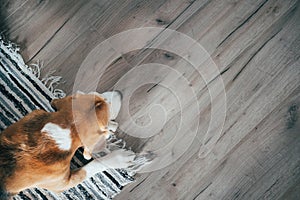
{"x": 7, "y": 167}
{"x": 7, "y": 160}
{"x": 35, "y": 124}
{"x": 50, "y": 157}
{"x": 3, "y": 194}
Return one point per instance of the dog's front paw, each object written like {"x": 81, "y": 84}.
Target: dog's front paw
{"x": 141, "y": 160}
{"x": 118, "y": 159}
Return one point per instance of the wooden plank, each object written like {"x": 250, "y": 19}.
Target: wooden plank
{"x": 229, "y": 143}
{"x": 197, "y": 83}
{"x": 125, "y": 15}
{"x": 247, "y": 25}
{"x": 201, "y": 17}
{"x": 76, "y": 52}
{"x": 233, "y": 57}
{"x": 169, "y": 60}
{"x": 249, "y": 173}
{"x": 88, "y": 17}
{"x": 35, "y": 22}
{"x": 195, "y": 169}
{"x": 151, "y": 181}
{"x": 73, "y": 29}
{"x": 99, "y": 16}
{"x": 7, "y": 8}
{"x": 292, "y": 193}
{"x": 261, "y": 26}
{"x": 139, "y": 14}
{"x": 11, "y": 6}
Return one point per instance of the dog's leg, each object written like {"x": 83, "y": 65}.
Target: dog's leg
{"x": 117, "y": 159}
{"x": 86, "y": 154}
{"x": 75, "y": 178}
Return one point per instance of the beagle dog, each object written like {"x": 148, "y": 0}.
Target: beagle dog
{"x": 36, "y": 151}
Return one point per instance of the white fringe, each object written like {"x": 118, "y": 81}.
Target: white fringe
{"x": 49, "y": 80}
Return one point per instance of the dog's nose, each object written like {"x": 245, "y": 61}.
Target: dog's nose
{"x": 114, "y": 98}
{"x": 104, "y": 129}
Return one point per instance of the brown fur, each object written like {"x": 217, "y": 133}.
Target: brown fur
{"x": 30, "y": 158}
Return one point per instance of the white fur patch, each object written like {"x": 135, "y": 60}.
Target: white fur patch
{"x": 61, "y": 136}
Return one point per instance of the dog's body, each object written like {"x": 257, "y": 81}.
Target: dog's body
{"x": 37, "y": 150}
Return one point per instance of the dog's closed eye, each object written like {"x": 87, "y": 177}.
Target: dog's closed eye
{"x": 99, "y": 104}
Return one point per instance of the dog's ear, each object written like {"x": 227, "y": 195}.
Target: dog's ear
{"x": 57, "y": 104}
{"x": 101, "y": 110}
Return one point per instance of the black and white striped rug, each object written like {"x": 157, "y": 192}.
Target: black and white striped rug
{"x": 21, "y": 91}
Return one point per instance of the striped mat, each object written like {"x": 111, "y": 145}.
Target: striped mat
{"x": 21, "y": 91}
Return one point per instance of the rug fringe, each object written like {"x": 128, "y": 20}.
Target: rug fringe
{"x": 49, "y": 80}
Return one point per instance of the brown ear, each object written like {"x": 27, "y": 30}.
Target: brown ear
{"x": 58, "y": 103}
{"x": 54, "y": 104}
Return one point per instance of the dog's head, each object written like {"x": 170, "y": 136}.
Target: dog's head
{"x": 89, "y": 116}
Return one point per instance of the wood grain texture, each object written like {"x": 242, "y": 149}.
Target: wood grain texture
{"x": 254, "y": 44}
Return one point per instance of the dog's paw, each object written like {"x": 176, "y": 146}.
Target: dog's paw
{"x": 113, "y": 143}
{"x": 141, "y": 160}
{"x": 119, "y": 159}
{"x": 86, "y": 154}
